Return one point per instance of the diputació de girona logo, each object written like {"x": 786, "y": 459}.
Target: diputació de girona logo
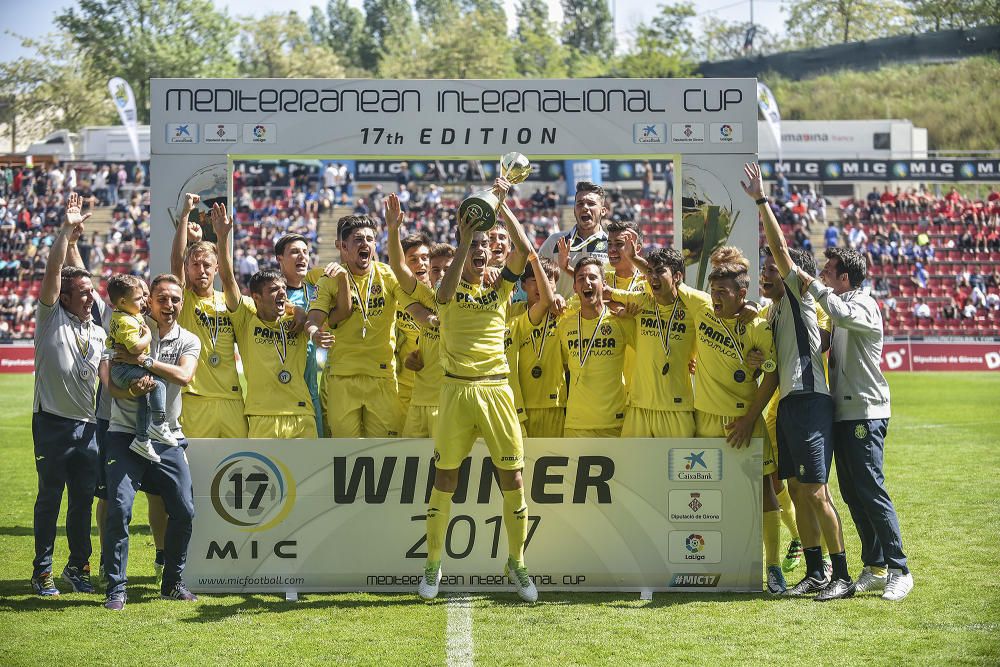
{"x": 252, "y": 491}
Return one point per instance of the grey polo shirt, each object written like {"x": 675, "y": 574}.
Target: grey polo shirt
{"x": 177, "y": 343}
{"x": 67, "y": 356}
{"x": 797, "y": 340}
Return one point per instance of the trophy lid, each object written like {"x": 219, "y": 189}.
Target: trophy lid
{"x": 515, "y": 167}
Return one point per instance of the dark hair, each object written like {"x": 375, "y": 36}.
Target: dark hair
{"x": 415, "y": 241}
{"x": 850, "y": 262}
{"x": 349, "y": 223}
{"x": 800, "y": 258}
{"x": 548, "y": 266}
{"x": 261, "y": 278}
{"x": 589, "y": 260}
{"x": 619, "y": 226}
{"x": 670, "y": 258}
{"x": 121, "y": 285}
{"x": 586, "y": 187}
{"x": 164, "y": 278}
{"x": 69, "y": 273}
{"x": 287, "y": 240}
{"x": 442, "y": 250}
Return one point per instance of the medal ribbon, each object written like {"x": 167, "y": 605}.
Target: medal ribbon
{"x": 736, "y": 343}
{"x": 84, "y": 352}
{"x": 665, "y": 339}
{"x": 368, "y": 294}
{"x": 582, "y": 244}
{"x": 216, "y": 322}
{"x": 545, "y": 330}
{"x": 283, "y": 352}
{"x": 579, "y": 334}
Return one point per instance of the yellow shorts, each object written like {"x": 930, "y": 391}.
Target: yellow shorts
{"x": 471, "y": 409}
{"x": 404, "y": 391}
{"x": 545, "y": 422}
{"x": 203, "y": 417}
{"x": 592, "y": 433}
{"x": 714, "y": 426}
{"x": 361, "y": 406}
{"x": 646, "y": 423}
{"x": 421, "y": 421}
{"x": 283, "y": 427}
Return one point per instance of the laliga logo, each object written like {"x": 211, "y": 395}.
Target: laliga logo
{"x": 259, "y": 131}
{"x": 694, "y": 543}
{"x": 252, "y": 491}
{"x": 993, "y": 360}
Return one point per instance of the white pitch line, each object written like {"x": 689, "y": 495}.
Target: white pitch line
{"x": 458, "y": 647}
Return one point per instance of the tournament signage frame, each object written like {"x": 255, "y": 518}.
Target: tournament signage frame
{"x": 348, "y": 515}
{"x": 708, "y": 127}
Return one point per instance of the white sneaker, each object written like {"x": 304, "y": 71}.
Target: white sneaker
{"x": 898, "y": 586}
{"x": 869, "y": 582}
{"x": 144, "y": 448}
{"x": 525, "y": 587}
{"x": 428, "y": 587}
{"x": 161, "y": 433}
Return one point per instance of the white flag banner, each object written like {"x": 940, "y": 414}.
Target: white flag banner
{"x": 769, "y": 107}
{"x": 124, "y": 99}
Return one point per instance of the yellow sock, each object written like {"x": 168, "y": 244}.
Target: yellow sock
{"x": 438, "y": 511}
{"x": 515, "y": 520}
{"x": 788, "y": 512}
{"x": 878, "y": 571}
{"x": 772, "y": 537}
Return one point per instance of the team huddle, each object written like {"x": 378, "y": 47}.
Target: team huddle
{"x": 434, "y": 344}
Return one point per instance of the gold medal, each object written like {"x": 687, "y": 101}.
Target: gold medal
{"x": 214, "y": 359}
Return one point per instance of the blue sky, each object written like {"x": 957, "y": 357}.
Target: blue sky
{"x": 34, "y": 18}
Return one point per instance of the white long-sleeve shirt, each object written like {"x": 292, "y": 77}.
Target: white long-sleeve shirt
{"x": 857, "y": 385}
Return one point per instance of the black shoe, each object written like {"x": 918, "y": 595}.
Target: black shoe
{"x": 178, "y": 592}
{"x": 807, "y": 586}
{"x": 838, "y": 589}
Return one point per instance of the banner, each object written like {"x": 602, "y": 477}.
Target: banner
{"x": 941, "y": 355}
{"x": 121, "y": 93}
{"x": 769, "y": 108}
{"x": 885, "y": 170}
{"x": 349, "y": 515}
{"x": 17, "y": 359}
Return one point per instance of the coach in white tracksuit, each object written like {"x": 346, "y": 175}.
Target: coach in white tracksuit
{"x": 861, "y": 417}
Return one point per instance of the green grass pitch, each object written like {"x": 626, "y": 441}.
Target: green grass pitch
{"x": 943, "y": 470}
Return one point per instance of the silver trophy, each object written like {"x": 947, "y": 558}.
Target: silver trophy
{"x": 482, "y": 206}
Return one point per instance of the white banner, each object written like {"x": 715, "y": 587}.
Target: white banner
{"x": 769, "y": 107}
{"x": 124, "y": 99}
{"x": 348, "y": 515}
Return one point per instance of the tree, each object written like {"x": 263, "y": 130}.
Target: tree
{"x": 53, "y": 89}
{"x": 587, "y": 28}
{"x": 537, "y": 53}
{"x": 385, "y": 22}
{"x": 663, "y": 47}
{"x": 341, "y": 29}
{"x": 431, "y": 14}
{"x": 815, "y": 23}
{"x": 952, "y": 14}
{"x": 724, "y": 40}
{"x": 281, "y": 46}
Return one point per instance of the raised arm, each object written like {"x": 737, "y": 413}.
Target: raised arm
{"x": 536, "y": 313}
{"x": 449, "y": 283}
{"x": 73, "y": 256}
{"x": 223, "y": 227}
{"x": 52, "y": 282}
{"x": 181, "y": 236}
{"x": 343, "y": 308}
{"x": 775, "y": 239}
{"x": 519, "y": 254}
{"x": 394, "y": 220}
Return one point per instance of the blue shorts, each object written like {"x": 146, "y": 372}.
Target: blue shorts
{"x": 805, "y": 437}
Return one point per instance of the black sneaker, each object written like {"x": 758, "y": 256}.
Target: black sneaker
{"x": 115, "y": 601}
{"x": 178, "y": 592}
{"x": 838, "y": 589}
{"x": 78, "y": 578}
{"x": 807, "y": 586}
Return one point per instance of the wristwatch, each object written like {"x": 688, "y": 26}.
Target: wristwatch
{"x": 147, "y": 363}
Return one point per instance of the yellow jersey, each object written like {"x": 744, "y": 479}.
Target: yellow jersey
{"x": 594, "y": 352}
{"x": 473, "y": 323}
{"x": 634, "y": 283}
{"x": 407, "y": 332}
{"x": 664, "y": 345}
{"x": 125, "y": 329}
{"x": 274, "y": 363}
{"x": 539, "y": 362}
{"x": 427, "y": 381}
{"x": 210, "y": 320}
{"x": 366, "y": 341}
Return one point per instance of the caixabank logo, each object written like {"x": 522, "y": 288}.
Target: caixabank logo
{"x": 252, "y": 491}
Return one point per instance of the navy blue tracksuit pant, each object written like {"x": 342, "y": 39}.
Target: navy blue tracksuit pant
{"x": 858, "y": 448}
{"x": 127, "y": 473}
{"x": 65, "y": 457}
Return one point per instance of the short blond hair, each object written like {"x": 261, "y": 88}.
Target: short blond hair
{"x": 201, "y": 248}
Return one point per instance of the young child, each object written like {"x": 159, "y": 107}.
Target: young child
{"x": 128, "y": 329}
